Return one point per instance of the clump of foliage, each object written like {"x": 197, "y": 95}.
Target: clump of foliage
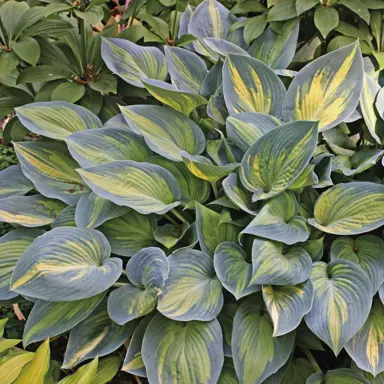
{"x": 227, "y": 219}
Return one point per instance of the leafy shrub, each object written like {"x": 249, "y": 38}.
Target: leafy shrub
{"x": 227, "y": 224}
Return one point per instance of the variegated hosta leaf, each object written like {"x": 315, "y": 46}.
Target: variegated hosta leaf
{"x": 133, "y": 362}
{"x": 166, "y": 131}
{"x": 222, "y": 151}
{"x": 350, "y": 209}
{"x": 212, "y": 81}
{"x": 315, "y": 248}
{"x": 192, "y": 290}
{"x": 168, "y": 94}
{"x": 233, "y": 269}
{"x": 251, "y": 86}
{"x": 13, "y": 182}
{"x": 103, "y": 145}
{"x": 343, "y": 298}
{"x": 287, "y": 305}
{"x": 133, "y": 62}
{"x": 366, "y": 251}
{"x": 367, "y": 347}
{"x": 12, "y": 246}
{"x": 328, "y": 89}
{"x": 378, "y": 379}
{"x": 192, "y": 188}
{"x": 107, "y": 369}
{"x": 170, "y": 234}
{"x": 228, "y": 373}
{"x": 12, "y": 363}
{"x": 86, "y": 374}
{"x": 130, "y": 233}
{"x": 49, "y": 319}
{"x": 226, "y": 321}
{"x": 210, "y": 231}
{"x": 93, "y": 210}
{"x": 51, "y": 169}
{"x": 97, "y": 335}
{"x": 66, "y": 218}
{"x": 30, "y": 211}
{"x": 147, "y": 271}
{"x": 187, "y": 69}
{"x": 56, "y": 119}
{"x": 277, "y": 158}
{"x": 223, "y": 47}
{"x": 275, "y": 265}
{"x": 177, "y": 352}
{"x": 245, "y": 128}
{"x": 145, "y": 187}
{"x": 210, "y": 19}
{"x": 338, "y": 376}
{"x": 66, "y": 264}
{"x": 256, "y": 353}
{"x": 278, "y": 220}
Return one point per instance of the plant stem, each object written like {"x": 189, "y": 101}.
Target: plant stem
{"x": 171, "y": 219}
{"x": 133, "y": 13}
{"x": 83, "y": 46}
{"x": 4, "y": 34}
{"x": 173, "y": 37}
{"x": 179, "y": 215}
{"x": 117, "y": 285}
{"x": 311, "y": 359}
{"x": 215, "y": 190}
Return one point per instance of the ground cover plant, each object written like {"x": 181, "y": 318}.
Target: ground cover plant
{"x": 198, "y": 192}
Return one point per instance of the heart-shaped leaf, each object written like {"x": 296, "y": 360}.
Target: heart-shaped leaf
{"x": 13, "y": 182}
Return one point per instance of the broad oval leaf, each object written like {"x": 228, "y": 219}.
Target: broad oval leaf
{"x": 13, "y": 182}
{"x": 103, "y": 145}
{"x": 145, "y": 187}
{"x": 343, "y": 298}
{"x": 366, "y": 251}
{"x": 233, "y": 269}
{"x": 178, "y": 352}
{"x": 51, "y": 169}
{"x": 251, "y": 86}
{"x": 133, "y": 62}
{"x": 256, "y": 354}
{"x": 50, "y": 319}
{"x": 245, "y": 128}
{"x": 12, "y": 246}
{"x": 66, "y": 264}
{"x": 273, "y": 264}
{"x": 277, "y": 158}
{"x": 192, "y": 290}
{"x": 56, "y": 119}
{"x": 328, "y": 89}
{"x": 350, "y": 208}
{"x": 166, "y": 131}
{"x": 287, "y": 305}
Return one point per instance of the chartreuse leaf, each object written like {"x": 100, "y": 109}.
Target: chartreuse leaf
{"x": 97, "y": 335}
{"x": 12, "y": 363}
{"x": 179, "y": 352}
{"x": 209, "y": 230}
{"x": 350, "y": 209}
{"x": 166, "y": 131}
{"x": 251, "y": 86}
{"x": 56, "y": 119}
{"x": 12, "y": 246}
{"x": 256, "y": 353}
{"x": 145, "y": 187}
{"x": 81, "y": 258}
{"x": 328, "y": 89}
{"x": 275, "y": 265}
{"x": 203, "y": 168}
{"x": 245, "y": 128}
{"x": 30, "y": 211}
{"x": 192, "y": 188}
{"x": 133, "y": 362}
{"x": 66, "y": 218}
{"x": 192, "y": 290}
{"x": 366, "y": 251}
{"x": 170, "y": 234}
{"x": 168, "y": 94}
{"x": 287, "y": 305}
{"x": 338, "y": 376}
{"x": 51, "y": 169}
{"x": 84, "y": 375}
{"x": 13, "y": 182}
{"x": 367, "y": 347}
{"x": 277, "y": 158}
{"x": 130, "y": 233}
{"x": 35, "y": 371}
{"x": 107, "y": 369}
{"x": 93, "y": 210}
{"x": 343, "y": 297}
{"x": 147, "y": 271}
{"x": 103, "y": 145}
{"x": 133, "y": 62}
{"x": 278, "y": 220}
{"x": 223, "y": 47}
{"x": 50, "y": 319}
{"x": 233, "y": 269}
{"x": 187, "y": 69}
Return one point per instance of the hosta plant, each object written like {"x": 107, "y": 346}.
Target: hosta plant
{"x": 230, "y": 227}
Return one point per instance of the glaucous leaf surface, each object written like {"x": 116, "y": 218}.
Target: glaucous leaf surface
{"x": 13, "y": 182}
